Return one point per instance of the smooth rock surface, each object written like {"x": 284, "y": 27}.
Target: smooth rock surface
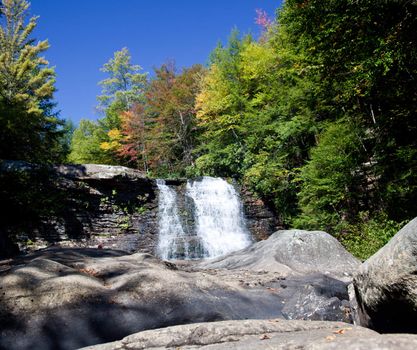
{"x": 289, "y": 251}
{"x": 262, "y": 334}
{"x": 386, "y": 285}
{"x": 69, "y": 298}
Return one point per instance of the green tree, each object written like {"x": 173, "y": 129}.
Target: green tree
{"x": 122, "y": 89}
{"x": 85, "y": 144}
{"x": 29, "y": 128}
{"x": 220, "y": 106}
{"x": 333, "y": 180}
{"x": 362, "y": 56}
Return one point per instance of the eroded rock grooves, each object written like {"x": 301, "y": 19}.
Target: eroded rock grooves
{"x": 68, "y": 298}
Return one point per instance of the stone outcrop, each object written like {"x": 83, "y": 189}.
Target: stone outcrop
{"x": 386, "y": 285}
{"x": 260, "y": 218}
{"x": 262, "y": 334}
{"x": 292, "y": 251}
{"x": 67, "y": 298}
{"x": 83, "y": 205}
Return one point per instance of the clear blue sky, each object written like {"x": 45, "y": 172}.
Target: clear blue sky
{"x": 84, "y": 34}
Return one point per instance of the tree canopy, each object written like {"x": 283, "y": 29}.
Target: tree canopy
{"x": 317, "y": 116}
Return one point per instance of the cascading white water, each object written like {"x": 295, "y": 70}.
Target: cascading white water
{"x": 220, "y": 224}
{"x": 171, "y": 242}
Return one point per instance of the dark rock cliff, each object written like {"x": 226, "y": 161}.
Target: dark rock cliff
{"x": 92, "y": 206}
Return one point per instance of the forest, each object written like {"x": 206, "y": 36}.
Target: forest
{"x": 317, "y": 116}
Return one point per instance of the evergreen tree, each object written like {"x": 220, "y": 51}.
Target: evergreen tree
{"x": 29, "y": 128}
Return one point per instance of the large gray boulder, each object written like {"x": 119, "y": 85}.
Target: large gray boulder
{"x": 386, "y": 284}
{"x": 292, "y": 251}
{"x": 68, "y": 298}
{"x": 260, "y": 335}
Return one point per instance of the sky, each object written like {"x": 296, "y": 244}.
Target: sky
{"x": 84, "y": 34}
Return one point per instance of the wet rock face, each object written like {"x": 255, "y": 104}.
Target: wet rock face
{"x": 386, "y": 285}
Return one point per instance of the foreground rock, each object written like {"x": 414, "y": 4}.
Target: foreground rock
{"x": 386, "y": 285}
{"x": 302, "y": 252}
{"x": 257, "y": 334}
{"x": 69, "y": 298}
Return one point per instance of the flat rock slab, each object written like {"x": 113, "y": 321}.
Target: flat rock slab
{"x": 262, "y": 334}
{"x": 69, "y": 298}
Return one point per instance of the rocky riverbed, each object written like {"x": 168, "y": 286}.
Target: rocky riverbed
{"x": 289, "y": 291}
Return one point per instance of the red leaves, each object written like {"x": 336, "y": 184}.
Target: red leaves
{"x": 262, "y": 19}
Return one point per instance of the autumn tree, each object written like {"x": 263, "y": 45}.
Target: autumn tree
{"x": 170, "y": 99}
{"x": 159, "y": 133}
{"x": 134, "y": 138}
{"x": 122, "y": 90}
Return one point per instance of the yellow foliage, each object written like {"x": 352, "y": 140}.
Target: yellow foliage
{"x": 115, "y": 135}
{"x": 257, "y": 61}
{"x": 214, "y": 97}
{"x": 110, "y": 146}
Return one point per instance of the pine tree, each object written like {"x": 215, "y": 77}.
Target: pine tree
{"x": 29, "y": 127}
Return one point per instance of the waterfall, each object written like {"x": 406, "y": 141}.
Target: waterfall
{"x": 172, "y": 242}
{"x": 218, "y": 214}
{"x": 204, "y": 221}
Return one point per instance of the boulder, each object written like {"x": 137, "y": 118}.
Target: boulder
{"x": 262, "y": 334}
{"x": 386, "y": 285}
{"x": 69, "y": 298}
{"x": 292, "y": 252}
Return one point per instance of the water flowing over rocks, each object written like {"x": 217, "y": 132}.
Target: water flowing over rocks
{"x": 99, "y": 205}
{"x": 289, "y": 291}
{"x": 219, "y": 217}
{"x": 386, "y": 285}
{"x": 172, "y": 239}
{"x": 204, "y": 220}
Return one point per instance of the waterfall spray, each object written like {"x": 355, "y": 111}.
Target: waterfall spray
{"x": 219, "y": 217}
{"x": 217, "y": 225}
{"x": 172, "y": 242}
